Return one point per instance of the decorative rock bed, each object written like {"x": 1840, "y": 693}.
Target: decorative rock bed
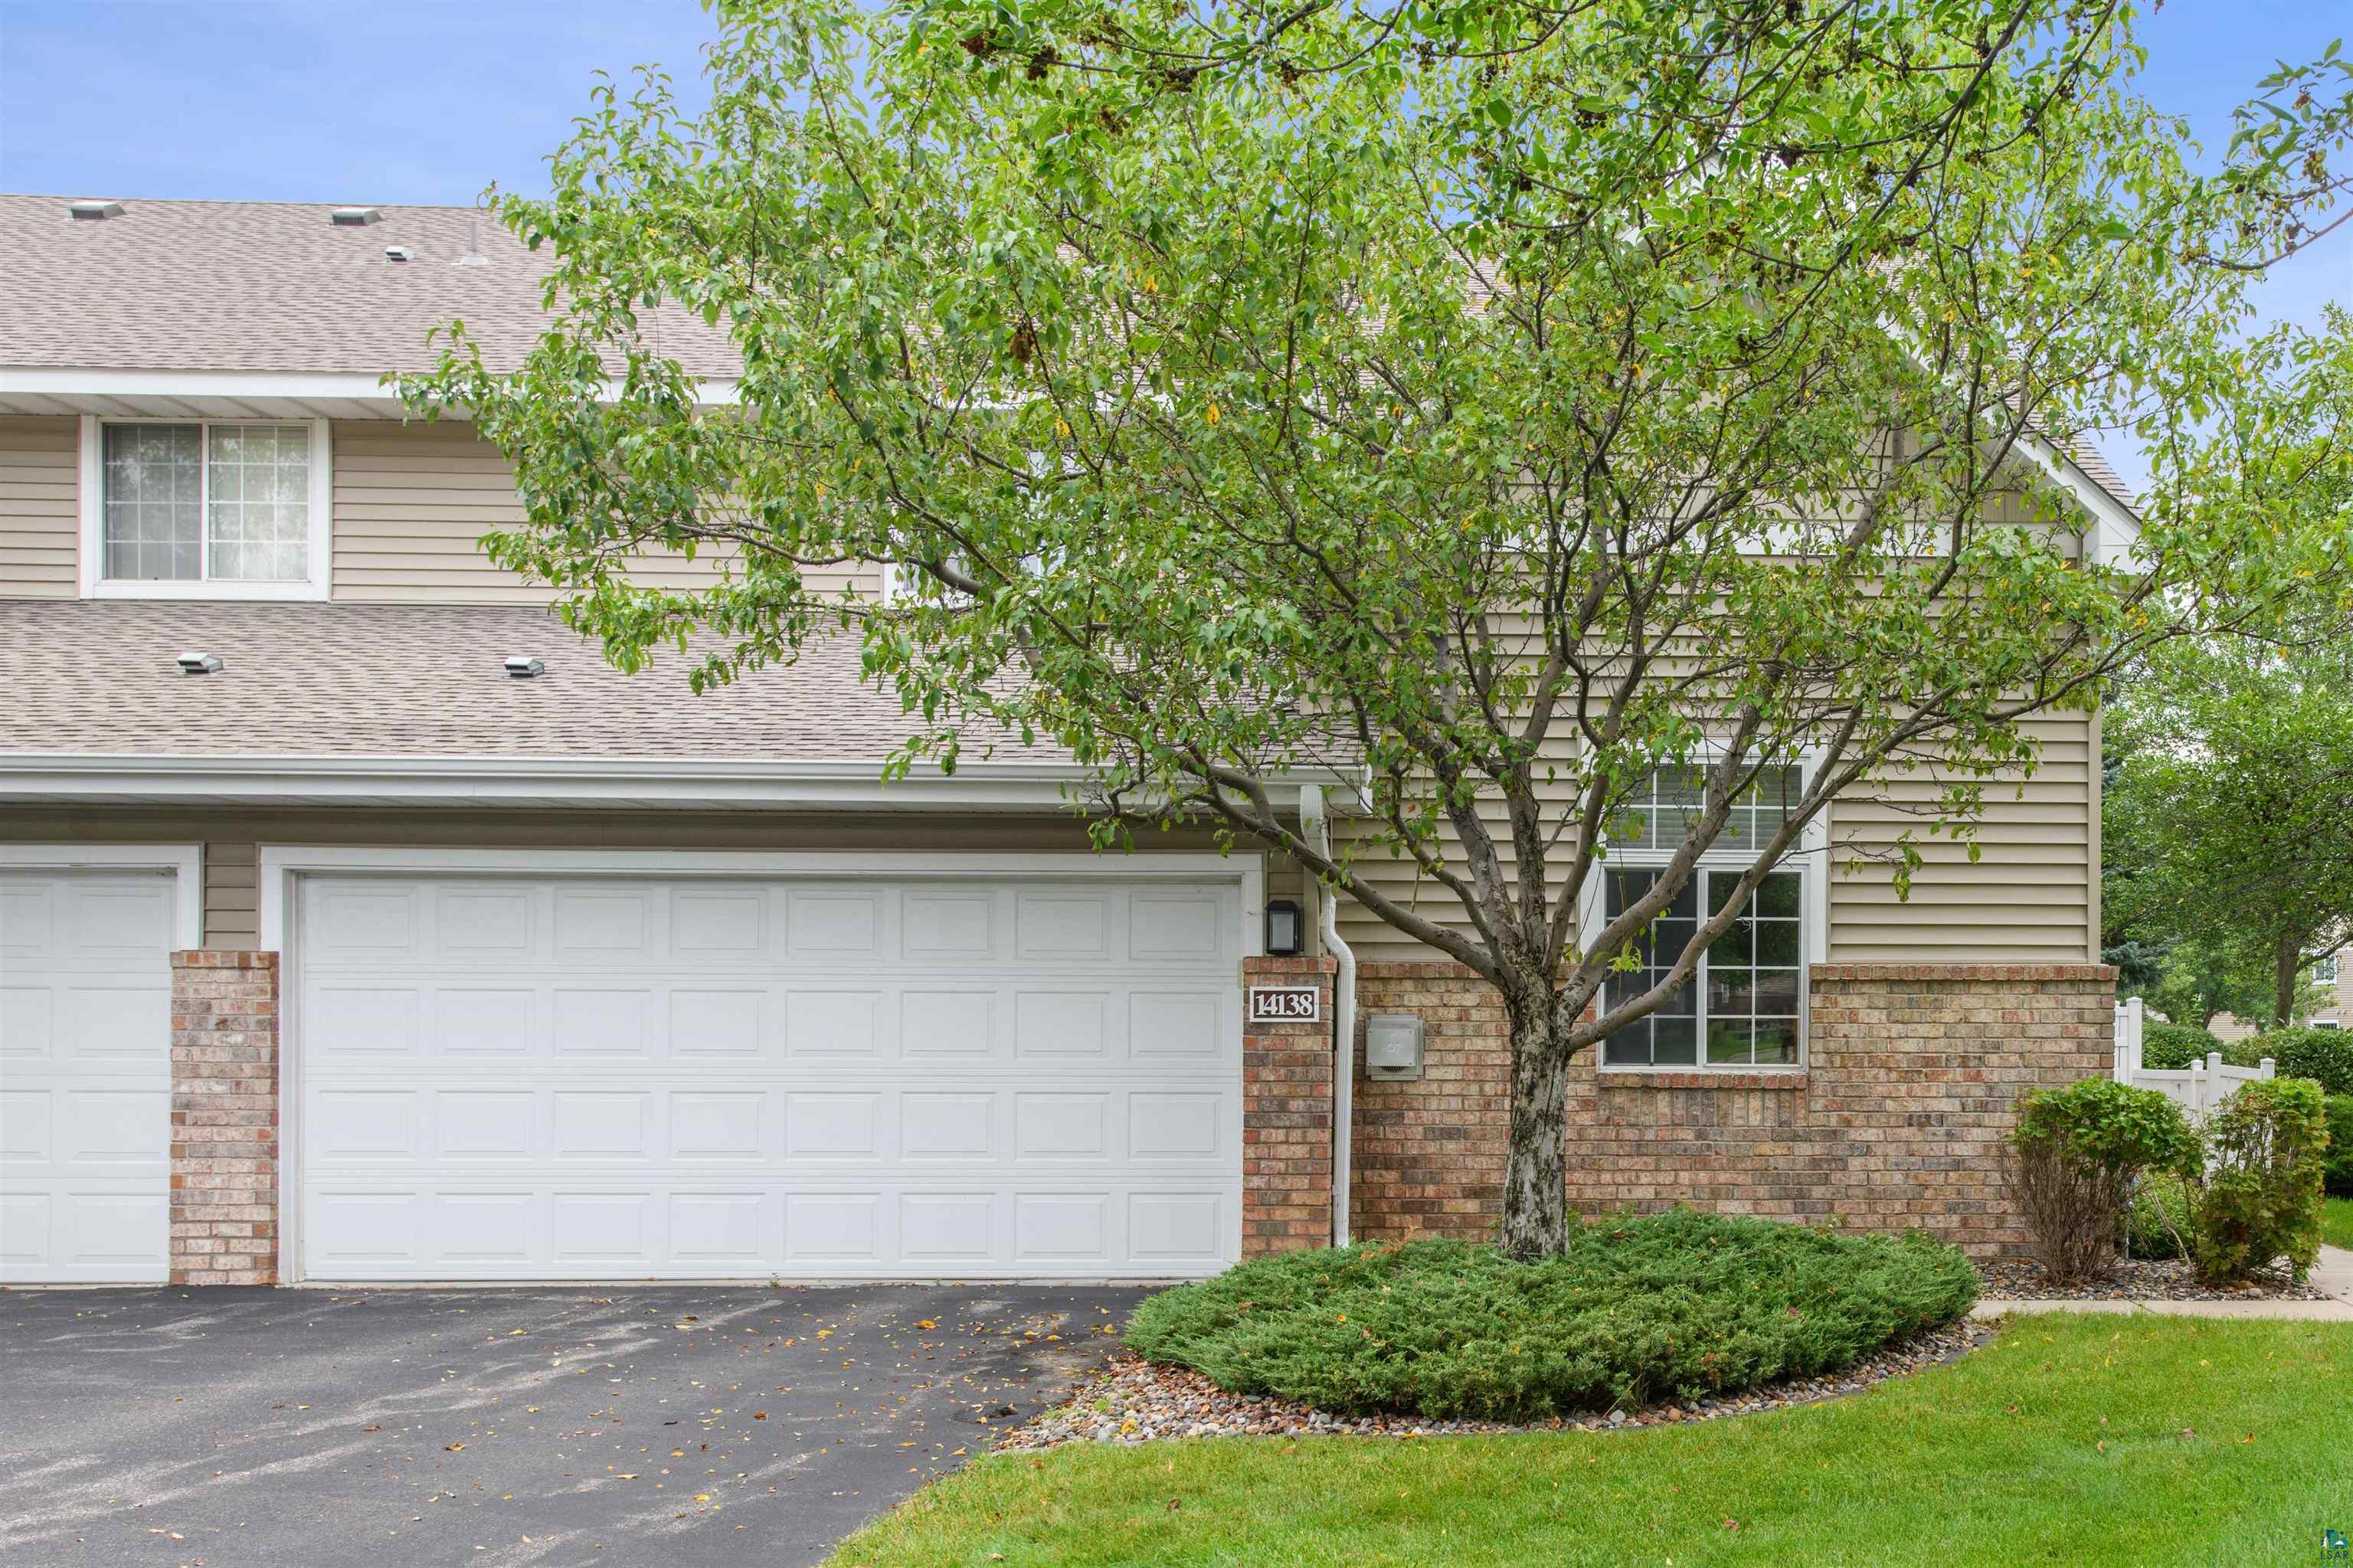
{"x": 2138, "y": 1279}
{"x": 1133, "y": 1400}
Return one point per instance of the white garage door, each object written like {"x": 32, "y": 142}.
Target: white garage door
{"x": 85, "y": 1077}
{"x": 503, "y": 1078}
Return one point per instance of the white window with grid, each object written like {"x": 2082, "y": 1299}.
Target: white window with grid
{"x": 229, "y": 509}
{"x": 1744, "y": 1008}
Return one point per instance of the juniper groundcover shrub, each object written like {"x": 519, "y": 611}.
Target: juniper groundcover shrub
{"x": 1678, "y": 1304}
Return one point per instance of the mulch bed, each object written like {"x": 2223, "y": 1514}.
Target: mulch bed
{"x": 2136, "y": 1279}
{"x": 1132, "y": 1400}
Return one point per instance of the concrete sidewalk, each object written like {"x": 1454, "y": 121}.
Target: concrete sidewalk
{"x": 2333, "y": 1273}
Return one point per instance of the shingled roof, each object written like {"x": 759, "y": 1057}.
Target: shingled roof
{"x": 278, "y": 286}
{"x": 98, "y": 677}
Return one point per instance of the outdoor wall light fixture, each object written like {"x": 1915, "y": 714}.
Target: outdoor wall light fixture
{"x": 1284, "y": 929}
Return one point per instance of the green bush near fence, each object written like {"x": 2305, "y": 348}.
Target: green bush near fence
{"x": 2336, "y": 1165}
{"x": 2323, "y": 1055}
{"x": 2170, "y": 1047}
{"x": 2259, "y": 1197}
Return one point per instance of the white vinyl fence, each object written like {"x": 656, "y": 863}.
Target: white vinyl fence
{"x": 2196, "y": 1089}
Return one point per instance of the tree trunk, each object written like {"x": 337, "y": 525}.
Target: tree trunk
{"x": 1535, "y": 1172}
{"x": 2283, "y": 977}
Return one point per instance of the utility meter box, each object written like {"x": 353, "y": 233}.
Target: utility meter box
{"x": 1393, "y": 1045}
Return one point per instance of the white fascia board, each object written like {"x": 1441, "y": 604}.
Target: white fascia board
{"x": 2114, "y": 535}
{"x": 567, "y": 781}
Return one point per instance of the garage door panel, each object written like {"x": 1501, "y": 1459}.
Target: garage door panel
{"x": 708, "y": 1079}
{"x": 85, "y": 1076}
{"x": 828, "y": 1023}
{"x": 721, "y": 1023}
{"x": 476, "y": 924}
{"x": 1175, "y": 927}
{"x": 952, "y": 925}
{"x": 715, "y": 927}
{"x": 498, "y": 1125}
{"x": 1062, "y": 1026}
{"x": 836, "y": 924}
{"x": 952, "y": 1025}
{"x": 352, "y": 1021}
{"x": 483, "y": 1021}
{"x": 601, "y": 1231}
{"x": 28, "y": 1022}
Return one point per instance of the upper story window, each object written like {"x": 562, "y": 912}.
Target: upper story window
{"x": 227, "y": 509}
{"x": 2324, "y": 970}
{"x": 1661, "y": 817}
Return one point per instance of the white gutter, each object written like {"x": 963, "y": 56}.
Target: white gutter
{"x": 1316, "y": 828}
{"x": 85, "y": 777}
{"x": 240, "y": 385}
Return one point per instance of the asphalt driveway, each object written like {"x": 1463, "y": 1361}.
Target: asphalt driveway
{"x": 662, "y": 1425}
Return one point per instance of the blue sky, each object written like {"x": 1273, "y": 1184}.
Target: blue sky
{"x": 429, "y": 101}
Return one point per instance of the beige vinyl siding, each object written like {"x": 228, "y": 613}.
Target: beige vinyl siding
{"x": 411, "y": 504}
{"x": 40, "y": 519}
{"x": 2031, "y": 896}
{"x": 231, "y": 839}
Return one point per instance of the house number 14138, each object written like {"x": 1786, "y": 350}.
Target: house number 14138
{"x": 1286, "y": 1004}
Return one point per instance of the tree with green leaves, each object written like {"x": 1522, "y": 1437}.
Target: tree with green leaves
{"x": 2231, "y": 821}
{"x": 1489, "y": 406}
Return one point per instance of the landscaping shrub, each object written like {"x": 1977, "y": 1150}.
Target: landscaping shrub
{"x": 2169, "y": 1047}
{"x": 2158, "y": 1226}
{"x": 2076, "y": 1154}
{"x": 2323, "y": 1055}
{"x": 1678, "y": 1304}
{"x": 2337, "y": 1164}
{"x": 2260, "y": 1195}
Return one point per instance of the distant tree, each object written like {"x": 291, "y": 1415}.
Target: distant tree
{"x": 2231, "y": 821}
{"x": 1498, "y": 406}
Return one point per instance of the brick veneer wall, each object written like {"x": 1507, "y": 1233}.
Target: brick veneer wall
{"x": 1427, "y": 1156}
{"x": 1287, "y": 1117}
{"x": 1911, "y": 1073}
{"x": 224, "y": 1118}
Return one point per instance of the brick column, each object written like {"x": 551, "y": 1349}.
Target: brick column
{"x": 1287, "y": 1117}
{"x": 224, "y": 1118}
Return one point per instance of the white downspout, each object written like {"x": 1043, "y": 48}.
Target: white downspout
{"x": 1316, "y": 828}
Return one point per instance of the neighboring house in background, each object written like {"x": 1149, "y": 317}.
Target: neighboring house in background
{"x": 332, "y": 950}
{"x": 2333, "y": 975}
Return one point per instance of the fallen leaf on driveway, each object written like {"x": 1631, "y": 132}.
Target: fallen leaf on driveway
{"x": 451, "y": 1447}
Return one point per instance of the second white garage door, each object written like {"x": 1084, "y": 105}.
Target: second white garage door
{"x": 503, "y": 1078}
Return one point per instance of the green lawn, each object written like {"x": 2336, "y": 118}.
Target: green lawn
{"x": 2337, "y": 1229}
{"x": 1995, "y": 1460}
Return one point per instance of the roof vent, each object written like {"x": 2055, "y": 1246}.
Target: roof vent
{"x": 355, "y": 216}
{"x": 474, "y": 255}
{"x": 398, "y": 253}
{"x": 200, "y": 665}
{"x": 522, "y": 667}
{"x": 95, "y": 210}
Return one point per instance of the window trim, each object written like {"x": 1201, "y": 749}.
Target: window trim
{"x": 318, "y": 546}
{"x": 1809, "y": 859}
{"x": 2335, "y": 962}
